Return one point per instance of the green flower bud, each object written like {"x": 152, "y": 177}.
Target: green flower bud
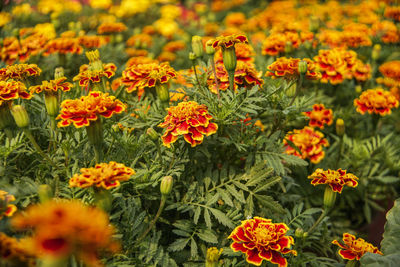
{"x": 302, "y": 68}
{"x": 152, "y": 134}
{"x": 20, "y": 115}
{"x": 358, "y": 89}
{"x": 340, "y": 127}
{"x": 212, "y": 257}
{"x": 162, "y": 92}
{"x": 51, "y": 102}
{"x": 192, "y": 56}
{"x": 229, "y": 58}
{"x": 166, "y": 185}
{"x": 376, "y": 52}
{"x": 288, "y": 47}
{"x": 59, "y": 72}
{"x": 329, "y": 198}
{"x": 197, "y": 46}
{"x": 210, "y": 50}
{"x": 299, "y": 233}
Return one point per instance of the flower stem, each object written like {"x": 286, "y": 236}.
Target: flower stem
{"x": 339, "y": 152}
{"x": 195, "y": 73}
{"x": 298, "y": 88}
{"x": 352, "y": 263}
{"x": 231, "y": 76}
{"x": 212, "y": 63}
{"x": 318, "y": 221}
{"x": 153, "y": 222}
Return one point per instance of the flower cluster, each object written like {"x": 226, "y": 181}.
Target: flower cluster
{"x": 10, "y": 90}
{"x": 309, "y": 142}
{"x": 15, "y": 252}
{"x": 288, "y": 68}
{"x": 335, "y": 179}
{"x": 391, "y": 70}
{"x": 6, "y": 209}
{"x": 62, "y": 228}
{"x": 105, "y": 175}
{"x": 190, "y": 120}
{"x": 19, "y": 71}
{"x": 319, "y": 116}
{"x": 376, "y": 101}
{"x": 261, "y": 239}
{"x": 81, "y": 112}
{"x": 138, "y": 77}
{"x": 354, "y": 249}
{"x": 87, "y": 75}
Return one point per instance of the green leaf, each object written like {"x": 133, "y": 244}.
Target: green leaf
{"x": 207, "y": 218}
{"x": 225, "y": 196}
{"x": 221, "y": 217}
{"x": 196, "y": 215}
{"x": 212, "y": 199}
{"x": 207, "y": 235}
{"x": 193, "y": 248}
{"x": 178, "y": 244}
{"x": 239, "y": 196}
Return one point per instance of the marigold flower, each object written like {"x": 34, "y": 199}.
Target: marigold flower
{"x": 111, "y": 27}
{"x": 335, "y": 179}
{"x": 81, "y": 112}
{"x": 288, "y": 68}
{"x": 64, "y": 227}
{"x": 310, "y": 143}
{"x": 138, "y": 77}
{"x": 139, "y": 60}
{"x": 276, "y": 43}
{"x": 10, "y": 50}
{"x": 244, "y": 52}
{"x": 245, "y": 76}
{"x": 376, "y": 101}
{"x": 392, "y": 12}
{"x": 19, "y": 71}
{"x": 106, "y": 175}
{"x": 174, "y": 46}
{"x": 190, "y": 120}
{"x": 92, "y": 41}
{"x": 354, "y": 249}
{"x": 260, "y": 239}
{"x": 87, "y": 75}
{"x": 391, "y": 69}
{"x": 15, "y": 252}
{"x": 52, "y": 86}
{"x": 229, "y": 41}
{"x": 140, "y": 40}
{"x": 386, "y": 30}
{"x": 319, "y": 116}
{"x": 6, "y": 209}
{"x": 63, "y": 45}
{"x": 10, "y": 90}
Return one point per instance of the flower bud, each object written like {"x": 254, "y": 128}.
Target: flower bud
{"x": 329, "y": 198}
{"x": 229, "y": 58}
{"x": 288, "y": 47}
{"x": 302, "y": 68}
{"x": 162, "y": 92}
{"x": 376, "y": 52}
{"x": 212, "y": 257}
{"x": 166, "y": 185}
{"x": 340, "y": 127}
{"x": 358, "y": 89}
{"x": 20, "y": 115}
{"x": 299, "y": 233}
{"x": 197, "y": 46}
{"x": 51, "y": 102}
{"x": 59, "y": 72}
{"x": 291, "y": 91}
{"x": 210, "y": 50}
{"x": 192, "y": 56}
{"x": 152, "y": 134}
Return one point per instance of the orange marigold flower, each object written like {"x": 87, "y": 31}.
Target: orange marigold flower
{"x": 10, "y": 90}
{"x": 86, "y": 75}
{"x": 174, "y": 46}
{"x": 67, "y": 227}
{"x": 32, "y": 45}
{"x": 19, "y": 71}
{"x": 166, "y": 56}
{"x": 229, "y": 41}
{"x": 391, "y": 69}
{"x": 6, "y": 209}
{"x": 106, "y": 175}
{"x": 354, "y": 249}
{"x": 276, "y": 42}
{"x": 235, "y": 19}
{"x": 190, "y": 120}
{"x": 261, "y": 239}
{"x": 308, "y": 141}
{"x": 132, "y": 52}
{"x": 138, "y": 77}
{"x": 81, "y": 112}
{"x": 392, "y": 12}
{"x": 376, "y": 101}
{"x": 244, "y": 52}
{"x": 10, "y": 50}
{"x": 63, "y": 45}
{"x": 15, "y": 252}
{"x": 111, "y": 27}
{"x": 92, "y": 41}
{"x": 245, "y": 76}
{"x": 361, "y": 72}
{"x": 319, "y": 116}
{"x": 140, "y": 40}
{"x": 386, "y": 30}
{"x": 289, "y": 69}
{"x": 52, "y": 86}
{"x": 335, "y": 179}
{"x": 139, "y": 60}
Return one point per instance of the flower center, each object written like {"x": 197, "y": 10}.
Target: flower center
{"x": 264, "y": 234}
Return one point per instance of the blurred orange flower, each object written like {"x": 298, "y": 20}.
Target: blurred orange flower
{"x": 289, "y": 69}
{"x": 15, "y": 252}
{"x": 376, "y": 101}
{"x": 63, "y": 45}
{"x": 111, "y": 27}
{"x": 6, "y": 209}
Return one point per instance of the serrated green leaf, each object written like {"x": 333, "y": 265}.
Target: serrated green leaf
{"x": 239, "y": 196}
{"x": 221, "y": 217}
{"x": 207, "y": 218}
{"x": 178, "y": 244}
{"x": 225, "y": 196}
{"x": 212, "y": 199}
{"x": 196, "y": 215}
{"x": 207, "y": 235}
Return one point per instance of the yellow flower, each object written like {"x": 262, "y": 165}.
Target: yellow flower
{"x": 5, "y": 18}
{"x": 22, "y": 10}
{"x": 376, "y": 101}
{"x": 6, "y": 209}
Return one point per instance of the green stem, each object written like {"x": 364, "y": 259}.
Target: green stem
{"x": 339, "y": 152}
{"x": 317, "y": 222}
{"x": 298, "y": 88}
{"x": 53, "y": 133}
{"x": 195, "y": 73}
{"x": 231, "y": 76}
{"x": 212, "y": 63}
{"x": 153, "y": 222}
{"x": 97, "y": 154}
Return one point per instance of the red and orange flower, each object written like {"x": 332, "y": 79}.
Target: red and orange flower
{"x": 244, "y": 52}
{"x": 229, "y": 41}
{"x": 62, "y": 228}
{"x": 354, "y": 249}
{"x": 288, "y": 68}
{"x": 80, "y": 112}
{"x": 190, "y": 120}
{"x": 10, "y": 90}
{"x": 105, "y": 175}
{"x": 335, "y": 179}
{"x": 391, "y": 69}
{"x": 309, "y": 142}
{"x": 260, "y": 240}
{"x": 19, "y": 71}
{"x": 111, "y": 27}
{"x": 319, "y": 116}
{"x": 6, "y": 209}
{"x": 63, "y": 45}
{"x": 52, "y": 86}
{"x": 376, "y": 101}
{"x": 15, "y": 252}
{"x": 277, "y": 42}
{"x": 87, "y": 75}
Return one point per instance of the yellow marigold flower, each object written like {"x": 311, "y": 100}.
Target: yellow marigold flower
{"x": 67, "y": 227}
{"x": 111, "y": 27}
{"x": 354, "y": 249}
{"x": 244, "y": 52}
{"x": 63, "y": 45}
{"x": 392, "y": 12}
{"x": 376, "y": 101}
{"x": 52, "y": 86}
{"x": 289, "y": 69}
{"x": 106, "y": 175}
{"x": 6, "y": 209}
{"x": 261, "y": 239}
{"x": 170, "y": 11}
{"x": 19, "y": 71}
{"x": 10, "y": 90}
{"x": 190, "y": 120}
{"x": 386, "y": 30}
{"x": 22, "y": 10}
{"x": 139, "y": 60}
{"x": 81, "y": 112}
{"x": 15, "y": 252}
{"x": 138, "y": 77}
{"x": 276, "y": 43}
{"x": 5, "y": 18}
{"x": 391, "y": 69}
{"x": 87, "y": 75}
{"x": 166, "y": 27}
{"x": 319, "y": 116}
{"x": 93, "y": 41}
{"x": 58, "y": 6}
{"x": 229, "y": 41}
{"x": 308, "y": 141}
{"x": 335, "y": 179}
{"x": 103, "y": 4}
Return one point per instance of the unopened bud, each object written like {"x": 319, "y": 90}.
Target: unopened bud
{"x": 302, "y": 68}
{"x": 376, "y": 52}
{"x": 152, "y": 134}
{"x": 59, "y": 72}
{"x": 162, "y": 92}
{"x": 229, "y": 58}
{"x": 358, "y": 89}
{"x": 299, "y": 233}
{"x": 197, "y": 46}
{"x": 212, "y": 257}
{"x": 51, "y": 102}
{"x": 192, "y": 56}
{"x": 288, "y": 47}
{"x": 210, "y": 50}
{"x": 340, "y": 127}
{"x": 166, "y": 185}
{"x": 329, "y": 198}
{"x": 20, "y": 115}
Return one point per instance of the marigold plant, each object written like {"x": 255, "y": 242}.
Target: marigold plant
{"x": 19, "y": 71}
{"x": 354, "y": 249}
